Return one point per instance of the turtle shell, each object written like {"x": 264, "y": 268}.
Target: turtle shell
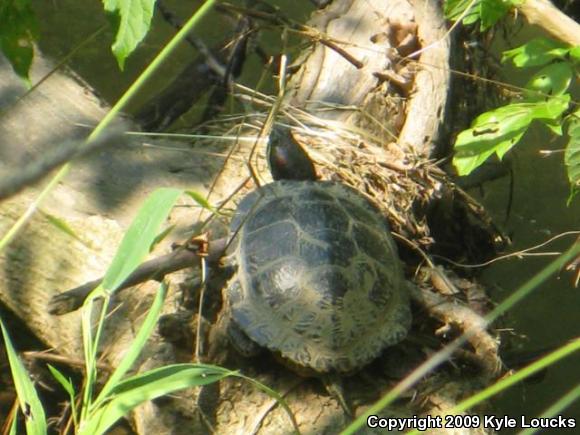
{"x": 318, "y": 276}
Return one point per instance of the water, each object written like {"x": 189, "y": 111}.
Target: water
{"x": 549, "y": 317}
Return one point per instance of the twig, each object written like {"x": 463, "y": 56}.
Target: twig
{"x": 279, "y": 20}
{"x": 156, "y": 269}
{"x": 60, "y": 359}
{"x": 197, "y": 351}
{"x": 214, "y": 64}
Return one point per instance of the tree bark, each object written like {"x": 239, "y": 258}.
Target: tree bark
{"x": 545, "y": 15}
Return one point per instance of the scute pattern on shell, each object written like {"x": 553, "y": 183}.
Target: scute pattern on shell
{"x": 318, "y": 276}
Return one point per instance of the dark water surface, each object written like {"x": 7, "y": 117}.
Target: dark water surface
{"x": 551, "y": 315}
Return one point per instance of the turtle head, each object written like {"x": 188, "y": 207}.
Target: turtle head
{"x": 287, "y": 159}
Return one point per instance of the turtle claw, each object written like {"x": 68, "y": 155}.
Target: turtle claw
{"x": 333, "y": 384}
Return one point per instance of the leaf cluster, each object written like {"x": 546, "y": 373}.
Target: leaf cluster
{"x": 487, "y": 12}
{"x": 545, "y": 99}
{"x": 130, "y": 19}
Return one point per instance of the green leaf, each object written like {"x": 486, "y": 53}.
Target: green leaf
{"x": 137, "y": 344}
{"x": 30, "y": 404}
{"x": 18, "y": 31}
{"x": 497, "y": 131}
{"x": 475, "y": 150}
{"x": 572, "y": 155}
{"x": 201, "y": 200}
{"x": 551, "y": 109}
{"x": 139, "y": 237}
{"x": 62, "y": 225}
{"x": 454, "y": 9}
{"x": 149, "y": 386}
{"x": 68, "y": 387}
{"x": 487, "y": 11}
{"x": 491, "y": 11}
{"x": 64, "y": 382}
{"x": 551, "y": 80}
{"x": 575, "y": 53}
{"x": 133, "y": 19}
{"x": 539, "y": 51}
{"x": 161, "y": 236}
{"x": 554, "y": 125}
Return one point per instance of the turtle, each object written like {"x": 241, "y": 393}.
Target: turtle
{"x": 317, "y": 277}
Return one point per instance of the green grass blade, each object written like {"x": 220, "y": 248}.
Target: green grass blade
{"x": 518, "y": 376}
{"x": 30, "y": 404}
{"x": 64, "y": 382}
{"x": 63, "y": 226}
{"x": 68, "y": 387}
{"x": 513, "y": 379}
{"x": 444, "y": 354}
{"x": 152, "y": 67}
{"x": 201, "y": 200}
{"x": 148, "y": 386}
{"x": 274, "y": 395}
{"x": 141, "y": 234}
{"x": 136, "y": 346}
{"x": 133, "y": 249}
{"x": 90, "y": 348}
{"x": 557, "y": 408}
{"x": 14, "y": 427}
